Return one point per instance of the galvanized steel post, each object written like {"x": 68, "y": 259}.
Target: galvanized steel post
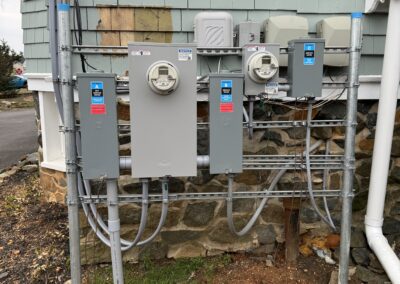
{"x": 64, "y": 46}
{"x": 349, "y": 160}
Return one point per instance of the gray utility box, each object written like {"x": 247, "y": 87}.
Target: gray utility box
{"x": 226, "y": 123}
{"x": 260, "y": 67}
{"x": 99, "y": 125}
{"x": 163, "y": 109}
{"x": 247, "y": 33}
{"x": 305, "y": 70}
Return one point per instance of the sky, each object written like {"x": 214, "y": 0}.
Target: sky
{"x": 10, "y": 24}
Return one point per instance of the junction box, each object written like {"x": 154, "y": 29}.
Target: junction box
{"x": 305, "y": 70}
{"x": 226, "y": 123}
{"x": 99, "y": 125}
{"x": 163, "y": 109}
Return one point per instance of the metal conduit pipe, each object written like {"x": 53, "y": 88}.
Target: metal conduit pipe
{"x": 325, "y": 187}
{"x": 254, "y": 218}
{"x": 382, "y": 147}
{"x": 308, "y": 168}
{"x": 125, "y": 162}
{"x": 114, "y": 227}
{"x": 349, "y": 157}
{"x": 64, "y": 39}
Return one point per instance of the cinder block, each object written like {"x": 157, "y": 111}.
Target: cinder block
{"x": 146, "y": 19}
{"x": 123, "y": 19}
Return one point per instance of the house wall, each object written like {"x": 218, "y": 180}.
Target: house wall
{"x": 116, "y": 22}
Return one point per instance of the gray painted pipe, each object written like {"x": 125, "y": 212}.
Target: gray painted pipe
{"x": 351, "y": 123}
{"x": 125, "y": 162}
{"x": 70, "y": 139}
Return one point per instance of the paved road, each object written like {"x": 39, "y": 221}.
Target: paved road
{"x": 18, "y": 135}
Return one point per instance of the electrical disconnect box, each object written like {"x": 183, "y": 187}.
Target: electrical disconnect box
{"x": 213, "y": 29}
{"x": 163, "y": 109}
{"x": 305, "y": 70}
{"x": 99, "y": 125}
{"x": 226, "y": 123}
{"x": 247, "y": 33}
{"x": 260, "y": 67}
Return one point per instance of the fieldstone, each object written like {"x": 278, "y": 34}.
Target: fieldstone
{"x": 296, "y": 132}
{"x": 339, "y": 142}
{"x": 273, "y": 136}
{"x": 264, "y": 250}
{"x": 155, "y": 214}
{"x": 332, "y": 111}
{"x": 358, "y": 239}
{"x": 188, "y": 250}
{"x": 366, "y": 275}
{"x": 176, "y": 185}
{"x": 277, "y": 109}
{"x": 322, "y": 133}
{"x": 364, "y": 168}
{"x": 213, "y": 186}
{"x": 222, "y": 234}
{"x": 124, "y": 139}
{"x": 375, "y": 265}
{"x": 180, "y": 236}
{"x": 360, "y": 201}
{"x": 395, "y": 209}
{"x": 396, "y": 148}
{"x": 266, "y": 234}
{"x": 199, "y": 214}
{"x": 308, "y": 215}
{"x": 202, "y": 142}
{"x": 203, "y": 177}
{"x": 273, "y": 213}
{"x": 364, "y": 106}
{"x": 391, "y": 226}
{"x": 129, "y": 214}
{"x": 335, "y": 181}
{"x": 30, "y": 168}
{"x": 360, "y": 256}
{"x": 371, "y": 120}
{"x": 334, "y": 279}
{"x": 269, "y": 150}
{"x": 3, "y": 275}
{"x": 153, "y": 250}
{"x": 395, "y": 173}
{"x": 32, "y": 158}
{"x": 366, "y": 146}
{"x": 251, "y": 177}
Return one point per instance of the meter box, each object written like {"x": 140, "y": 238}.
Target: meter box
{"x": 226, "y": 123}
{"x": 247, "y": 33}
{"x": 213, "y": 29}
{"x": 98, "y": 125}
{"x": 260, "y": 67}
{"x": 163, "y": 109}
{"x": 305, "y": 70}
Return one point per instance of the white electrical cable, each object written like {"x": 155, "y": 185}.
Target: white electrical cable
{"x": 254, "y": 218}
{"x": 325, "y": 186}
{"x": 308, "y": 167}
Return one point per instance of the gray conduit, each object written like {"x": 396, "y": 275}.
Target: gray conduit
{"x": 308, "y": 165}
{"x": 325, "y": 187}
{"x": 254, "y": 218}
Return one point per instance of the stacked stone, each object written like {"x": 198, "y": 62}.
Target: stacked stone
{"x": 199, "y": 228}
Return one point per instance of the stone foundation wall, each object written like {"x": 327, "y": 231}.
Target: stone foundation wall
{"x": 199, "y": 228}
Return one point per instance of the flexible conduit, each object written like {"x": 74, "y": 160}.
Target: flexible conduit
{"x": 254, "y": 218}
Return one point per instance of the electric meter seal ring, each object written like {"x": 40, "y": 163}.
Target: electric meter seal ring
{"x": 163, "y": 77}
{"x": 262, "y": 66}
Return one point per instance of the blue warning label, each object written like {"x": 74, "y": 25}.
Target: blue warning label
{"x": 226, "y": 84}
{"x": 97, "y": 89}
{"x": 309, "y": 53}
{"x": 226, "y": 91}
{"x": 96, "y": 85}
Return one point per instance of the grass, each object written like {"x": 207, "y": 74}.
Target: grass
{"x": 176, "y": 271}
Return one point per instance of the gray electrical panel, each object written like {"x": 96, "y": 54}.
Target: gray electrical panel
{"x": 260, "y": 67}
{"x": 163, "y": 109}
{"x": 247, "y": 33}
{"x": 226, "y": 123}
{"x": 305, "y": 70}
{"x": 99, "y": 125}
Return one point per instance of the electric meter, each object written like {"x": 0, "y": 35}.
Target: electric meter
{"x": 262, "y": 66}
{"x": 163, "y": 77}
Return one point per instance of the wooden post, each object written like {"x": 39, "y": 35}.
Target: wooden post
{"x": 292, "y": 229}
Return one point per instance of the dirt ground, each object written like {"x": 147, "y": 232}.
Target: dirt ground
{"x": 34, "y": 246}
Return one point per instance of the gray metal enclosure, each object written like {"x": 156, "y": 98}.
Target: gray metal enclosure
{"x": 163, "y": 126}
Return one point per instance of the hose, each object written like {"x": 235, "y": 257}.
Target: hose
{"x": 308, "y": 168}
{"x": 254, "y": 218}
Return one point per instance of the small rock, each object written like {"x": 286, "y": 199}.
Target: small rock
{"x": 32, "y": 158}
{"x": 266, "y": 234}
{"x": 358, "y": 239}
{"x": 30, "y": 168}
{"x": 273, "y": 136}
{"x": 361, "y": 256}
{"x": 391, "y": 226}
{"x": 334, "y": 277}
{"x": 368, "y": 276}
{"x": 308, "y": 215}
{"x": 199, "y": 214}
{"x": 270, "y": 261}
{"x": 68, "y": 282}
{"x": 3, "y": 275}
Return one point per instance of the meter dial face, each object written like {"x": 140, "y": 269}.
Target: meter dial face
{"x": 262, "y": 66}
{"x": 163, "y": 77}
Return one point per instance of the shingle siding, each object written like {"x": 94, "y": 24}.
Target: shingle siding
{"x": 175, "y": 23}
